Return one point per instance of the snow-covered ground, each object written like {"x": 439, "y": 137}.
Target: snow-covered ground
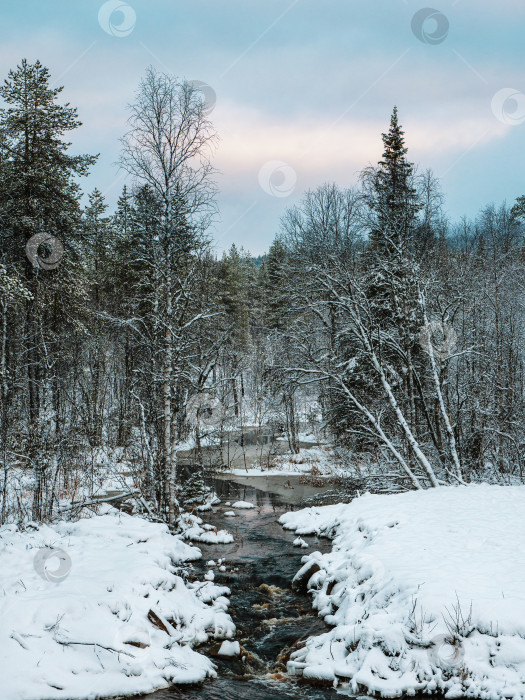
{"x": 97, "y": 608}
{"x": 425, "y": 591}
{"x": 317, "y": 461}
{"x": 195, "y": 530}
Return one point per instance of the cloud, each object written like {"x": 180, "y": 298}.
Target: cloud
{"x": 315, "y": 89}
{"x": 249, "y": 138}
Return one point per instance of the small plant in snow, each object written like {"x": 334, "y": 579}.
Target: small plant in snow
{"x": 416, "y": 626}
{"x": 457, "y": 624}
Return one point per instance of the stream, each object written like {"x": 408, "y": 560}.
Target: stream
{"x": 270, "y": 619}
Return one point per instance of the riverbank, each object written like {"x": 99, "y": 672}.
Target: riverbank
{"x": 114, "y": 605}
{"x": 101, "y": 607}
{"x": 423, "y": 591}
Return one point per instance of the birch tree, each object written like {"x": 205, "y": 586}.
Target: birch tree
{"x": 168, "y": 148}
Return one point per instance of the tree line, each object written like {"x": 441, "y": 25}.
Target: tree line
{"x": 398, "y": 333}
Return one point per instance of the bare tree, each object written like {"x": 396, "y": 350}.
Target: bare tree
{"x": 168, "y": 148}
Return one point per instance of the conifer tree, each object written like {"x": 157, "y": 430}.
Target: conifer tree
{"x": 394, "y": 199}
{"x": 275, "y": 278}
{"x": 392, "y": 276}
{"x": 235, "y": 295}
{"x": 97, "y": 241}
{"x": 39, "y": 194}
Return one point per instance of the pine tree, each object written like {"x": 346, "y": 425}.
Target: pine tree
{"x": 38, "y": 187}
{"x": 38, "y": 193}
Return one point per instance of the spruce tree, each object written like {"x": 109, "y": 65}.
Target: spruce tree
{"x": 235, "y": 292}
{"x": 392, "y": 270}
{"x": 394, "y": 199}
{"x": 96, "y": 244}
{"x": 275, "y": 285}
{"x": 393, "y": 206}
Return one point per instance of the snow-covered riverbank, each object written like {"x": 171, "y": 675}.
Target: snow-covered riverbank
{"x": 425, "y": 592}
{"x": 317, "y": 460}
{"x": 98, "y": 608}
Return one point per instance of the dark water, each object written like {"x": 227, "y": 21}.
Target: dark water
{"x": 270, "y": 621}
{"x": 226, "y": 689}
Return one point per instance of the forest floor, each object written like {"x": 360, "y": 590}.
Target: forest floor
{"x": 423, "y": 591}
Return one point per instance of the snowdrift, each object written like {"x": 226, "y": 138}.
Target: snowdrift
{"x": 96, "y": 608}
{"x": 425, "y": 591}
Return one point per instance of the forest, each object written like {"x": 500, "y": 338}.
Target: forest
{"x": 396, "y": 333}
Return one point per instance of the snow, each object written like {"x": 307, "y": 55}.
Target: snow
{"x": 299, "y": 542}
{"x": 318, "y": 461}
{"x": 423, "y": 590}
{"x": 290, "y": 470}
{"x": 229, "y": 649}
{"x": 243, "y": 504}
{"x": 97, "y": 608}
{"x": 230, "y": 513}
{"x": 191, "y": 529}
{"x": 211, "y": 500}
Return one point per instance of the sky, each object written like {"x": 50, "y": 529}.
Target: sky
{"x": 303, "y": 90}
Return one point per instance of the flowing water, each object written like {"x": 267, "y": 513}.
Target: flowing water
{"x": 270, "y": 619}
